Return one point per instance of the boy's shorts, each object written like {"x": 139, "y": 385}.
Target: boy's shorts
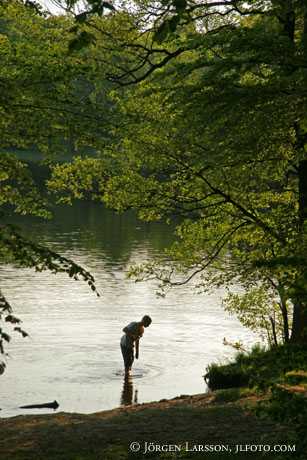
{"x": 128, "y": 356}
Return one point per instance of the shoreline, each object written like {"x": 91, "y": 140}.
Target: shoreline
{"x": 133, "y": 407}
{"x": 198, "y": 418}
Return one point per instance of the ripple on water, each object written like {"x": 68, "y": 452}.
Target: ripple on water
{"x": 138, "y": 372}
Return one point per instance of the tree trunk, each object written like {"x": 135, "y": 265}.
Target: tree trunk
{"x": 284, "y": 312}
{"x": 287, "y": 18}
{"x": 304, "y": 37}
{"x": 302, "y": 188}
{"x": 273, "y": 324}
{"x": 299, "y": 325}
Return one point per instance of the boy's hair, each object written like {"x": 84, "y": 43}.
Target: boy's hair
{"x": 146, "y": 320}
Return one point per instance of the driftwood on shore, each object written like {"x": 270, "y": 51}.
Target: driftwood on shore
{"x": 51, "y": 405}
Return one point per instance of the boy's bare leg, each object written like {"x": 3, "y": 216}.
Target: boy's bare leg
{"x": 127, "y": 371}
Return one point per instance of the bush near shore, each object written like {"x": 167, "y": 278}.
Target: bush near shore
{"x": 259, "y": 368}
{"x": 280, "y": 375}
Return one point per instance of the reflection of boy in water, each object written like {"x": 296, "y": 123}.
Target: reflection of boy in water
{"x": 127, "y": 392}
{"x": 133, "y": 332}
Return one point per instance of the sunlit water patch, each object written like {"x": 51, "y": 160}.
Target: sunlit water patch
{"x": 73, "y": 354}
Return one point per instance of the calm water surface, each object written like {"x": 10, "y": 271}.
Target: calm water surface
{"x": 73, "y": 352}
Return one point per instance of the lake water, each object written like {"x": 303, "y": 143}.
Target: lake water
{"x": 73, "y": 354}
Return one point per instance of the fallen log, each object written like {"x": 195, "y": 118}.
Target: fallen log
{"x": 51, "y": 405}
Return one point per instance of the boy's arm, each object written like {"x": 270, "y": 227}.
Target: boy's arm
{"x": 137, "y": 343}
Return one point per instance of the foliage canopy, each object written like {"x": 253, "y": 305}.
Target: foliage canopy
{"x": 179, "y": 110}
{"x": 215, "y": 133}
{"x": 44, "y": 99}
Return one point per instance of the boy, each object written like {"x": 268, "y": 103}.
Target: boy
{"x": 133, "y": 332}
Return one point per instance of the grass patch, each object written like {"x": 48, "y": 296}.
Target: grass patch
{"x": 297, "y": 377}
{"x": 280, "y": 375}
{"x": 260, "y": 368}
{"x": 232, "y": 394}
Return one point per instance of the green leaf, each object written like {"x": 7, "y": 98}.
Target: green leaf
{"x": 82, "y": 40}
{"x": 82, "y": 17}
{"x": 12, "y": 319}
{"x": 180, "y": 5}
{"x": 167, "y": 27}
{"x": 108, "y": 5}
{"x": 173, "y": 23}
{"x": 5, "y": 336}
{"x": 2, "y": 367}
{"x": 21, "y": 331}
{"x": 162, "y": 32}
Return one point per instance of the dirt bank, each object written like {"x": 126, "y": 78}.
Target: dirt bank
{"x": 201, "y": 419}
